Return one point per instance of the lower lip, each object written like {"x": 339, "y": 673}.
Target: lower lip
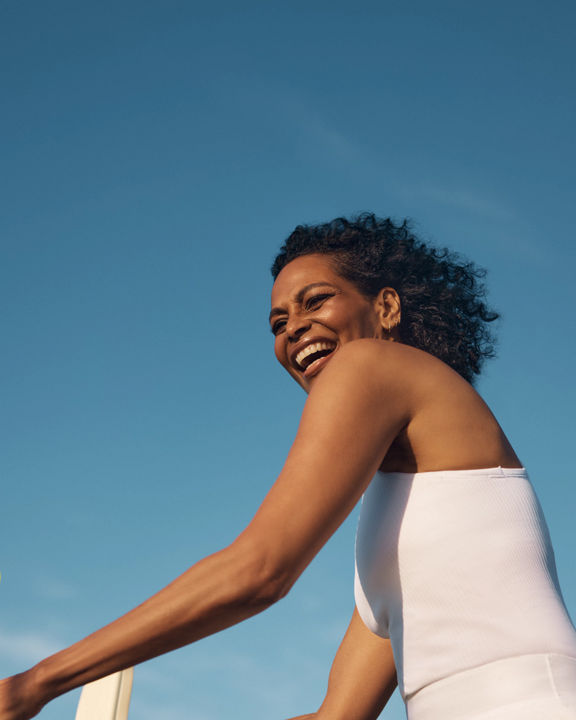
{"x": 317, "y": 365}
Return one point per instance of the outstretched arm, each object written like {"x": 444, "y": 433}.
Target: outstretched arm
{"x": 362, "y": 678}
{"x": 348, "y": 423}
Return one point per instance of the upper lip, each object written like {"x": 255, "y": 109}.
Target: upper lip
{"x": 304, "y": 344}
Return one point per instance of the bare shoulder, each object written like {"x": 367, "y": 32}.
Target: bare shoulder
{"x": 440, "y": 420}
{"x": 380, "y": 374}
{"x": 363, "y": 362}
{"x": 389, "y": 362}
{"x": 391, "y": 372}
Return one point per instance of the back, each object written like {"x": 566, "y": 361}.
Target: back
{"x": 450, "y": 426}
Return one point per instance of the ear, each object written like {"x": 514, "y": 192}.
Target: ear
{"x": 389, "y": 310}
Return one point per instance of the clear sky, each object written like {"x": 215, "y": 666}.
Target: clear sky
{"x": 154, "y": 157}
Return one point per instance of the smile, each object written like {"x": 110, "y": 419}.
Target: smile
{"x": 311, "y": 354}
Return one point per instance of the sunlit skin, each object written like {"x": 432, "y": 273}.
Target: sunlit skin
{"x": 450, "y": 427}
{"x": 311, "y": 302}
{"x": 373, "y": 403}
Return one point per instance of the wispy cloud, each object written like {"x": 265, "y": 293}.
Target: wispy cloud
{"x": 174, "y": 711}
{"x": 510, "y": 232}
{"x": 466, "y": 199}
{"x": 323, "y": 133}
{"x": 27, "y": 647}
{"x": 196, "y": 685}
{"x": 56, "y": 589}
{"x": 315, "y": 129}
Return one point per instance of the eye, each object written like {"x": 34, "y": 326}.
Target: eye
{"x": 316, "y": 300}
{"x": 278, "y": 326}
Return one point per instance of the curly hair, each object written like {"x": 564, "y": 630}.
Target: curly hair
{"x": 442, "y": 295}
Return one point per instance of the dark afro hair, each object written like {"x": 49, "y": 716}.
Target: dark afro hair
{"x": 443, "y": 298}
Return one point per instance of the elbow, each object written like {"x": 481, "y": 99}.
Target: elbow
{"x": 264, "y": 581}
{"x": 273, "y": 587}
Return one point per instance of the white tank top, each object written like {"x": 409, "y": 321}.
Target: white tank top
{"x": 457, "y": 569}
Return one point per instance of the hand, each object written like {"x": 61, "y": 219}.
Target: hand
{"x": 18, "y": 701}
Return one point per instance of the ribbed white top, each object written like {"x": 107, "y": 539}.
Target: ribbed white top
{"x": 457, "y": 569}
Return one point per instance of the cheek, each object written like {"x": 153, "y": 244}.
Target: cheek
{"x": 368, "y": 322}
{"x": 357, "y": 324}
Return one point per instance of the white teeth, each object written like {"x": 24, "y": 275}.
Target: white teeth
{"x": 312, "y": 348}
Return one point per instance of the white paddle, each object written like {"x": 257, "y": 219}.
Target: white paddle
{"x": 107, "y": 698}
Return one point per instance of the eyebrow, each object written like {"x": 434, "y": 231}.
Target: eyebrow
{"x": 299, "y": 297}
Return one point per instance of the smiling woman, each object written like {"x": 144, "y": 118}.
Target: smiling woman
{"x": 456, "y": 591}
{"x": 312, "y": 320}
{"x": 443, "y": 307}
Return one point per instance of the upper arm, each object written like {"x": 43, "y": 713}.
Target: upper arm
{"x": 354, "y": 411}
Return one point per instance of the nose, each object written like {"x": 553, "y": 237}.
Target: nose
{"x": 296, "y": 327}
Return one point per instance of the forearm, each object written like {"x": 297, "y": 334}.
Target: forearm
{"x": 362, "y": 677}
{"x": 219, "y": 591}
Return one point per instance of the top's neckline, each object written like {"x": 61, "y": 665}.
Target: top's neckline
{"x": 491, "y": 471}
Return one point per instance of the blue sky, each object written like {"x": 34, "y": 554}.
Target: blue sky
{"x": 155, "y": 155}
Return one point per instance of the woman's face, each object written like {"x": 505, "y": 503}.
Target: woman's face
{"x": 315, "y": 312}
